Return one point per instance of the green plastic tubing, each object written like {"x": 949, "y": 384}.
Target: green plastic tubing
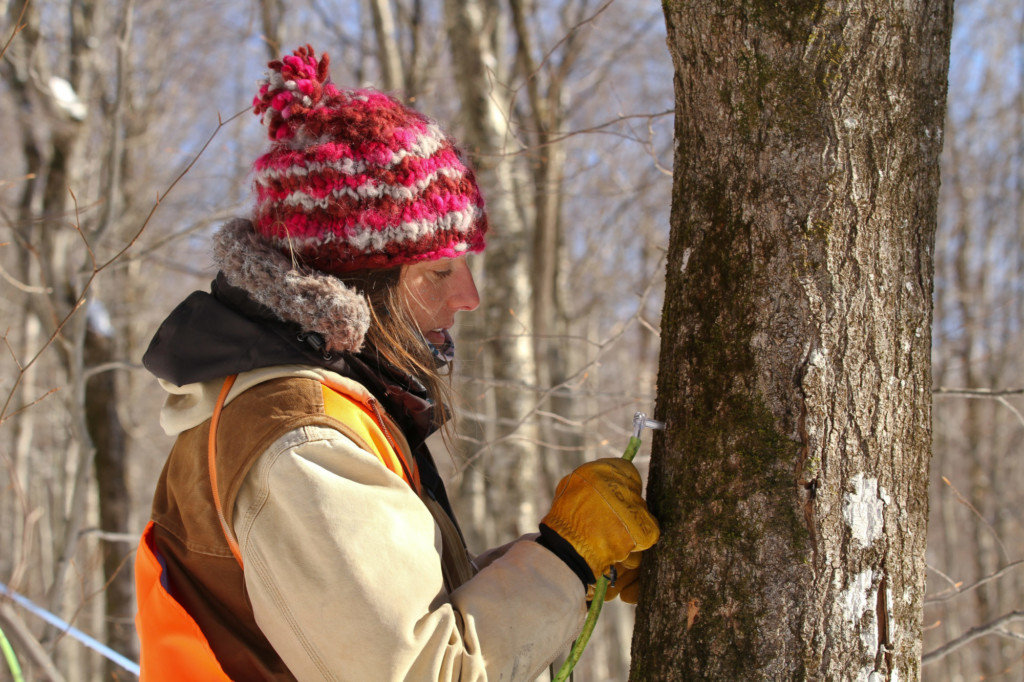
{"x": 11, "y": 658}
{"x": 600, "y": 588}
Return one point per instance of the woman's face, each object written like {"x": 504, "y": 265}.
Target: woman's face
{"x": 434, "y": 291}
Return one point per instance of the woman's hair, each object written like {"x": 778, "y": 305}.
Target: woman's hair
{"x": 394, "y": 336}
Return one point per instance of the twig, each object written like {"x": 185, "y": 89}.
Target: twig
{"x": 559, "y": 137}
{"x": 955, "y": 590}
{"x": 985, "y": 393}
{"x": 953, "y": 584}
{"x": 993, "y": 627}
{"x": 107, "y": 536}
{"x": 603, "y": 347}
{"x": 964, "y": 501}
{"x": 160, "y": 197}
{"x": 1006, "y": 403}
{"x": 23, "y": 368}
{"x": 977, "y": 392}
{"x": 108, "y": 367}
{"x": 21, "y": 409}
{"x": 27, "y": 288}
{"x": 23, "y": 178}
{"x": 1010, "y": 634}
{"x": 78, "y": 229}
{"x": 97, "y": 269}
{"x": 18, "y": 26}
{"x": 652, "y": 152}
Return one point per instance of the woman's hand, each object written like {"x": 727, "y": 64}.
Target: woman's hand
{"x": 599, "y": 510}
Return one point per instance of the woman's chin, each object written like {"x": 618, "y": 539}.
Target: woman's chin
{"x": 434, "y": 337}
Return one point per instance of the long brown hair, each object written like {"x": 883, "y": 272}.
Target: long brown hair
{"x": 393, "y": 334}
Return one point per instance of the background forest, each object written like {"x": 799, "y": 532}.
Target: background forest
{"x": 126, "y": 139}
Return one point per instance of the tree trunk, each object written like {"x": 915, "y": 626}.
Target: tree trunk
{"x": 391, "y": 72}
{"x": 795, "y": 378}
{"x": 111, "y": 467}
{"x": 499, "y": 345}
{"x": 545, "y": 115}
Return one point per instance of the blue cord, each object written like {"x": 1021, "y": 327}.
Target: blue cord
{"x": 67, "y": 628}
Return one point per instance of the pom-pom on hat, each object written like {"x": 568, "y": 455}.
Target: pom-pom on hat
{"x": 354, "y": 179}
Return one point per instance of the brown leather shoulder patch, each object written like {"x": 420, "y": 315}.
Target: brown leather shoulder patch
{"x": 255, "y": 419}
{"x": 249, "y": 424}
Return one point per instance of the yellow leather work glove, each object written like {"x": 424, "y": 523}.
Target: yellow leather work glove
{"x": 599, "y": 510}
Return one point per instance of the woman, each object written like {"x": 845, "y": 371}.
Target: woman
{"x": 300, "y": 529}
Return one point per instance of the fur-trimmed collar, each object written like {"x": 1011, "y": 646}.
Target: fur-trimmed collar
{"x": 313, "y": 300}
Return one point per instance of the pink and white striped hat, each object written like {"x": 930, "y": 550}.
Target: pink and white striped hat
{"x": 356, "y": 180}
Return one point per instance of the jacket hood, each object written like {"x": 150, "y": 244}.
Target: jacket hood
{"x": 204, "y": 338}
{"x": 313, "y": 300}
{"x": 209, "y": 336}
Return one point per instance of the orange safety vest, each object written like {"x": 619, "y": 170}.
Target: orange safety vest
{"x": 173, "y": 647}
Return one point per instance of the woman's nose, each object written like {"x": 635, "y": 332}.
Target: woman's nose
{"x": 464, "y": 295}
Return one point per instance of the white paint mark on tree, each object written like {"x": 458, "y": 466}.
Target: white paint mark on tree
{"x": 862, "y": 509}
{"x": 858, "y": 598}
{"x": 858, "y": 603}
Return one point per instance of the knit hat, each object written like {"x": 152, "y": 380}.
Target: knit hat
{"x": 354, "y": 179}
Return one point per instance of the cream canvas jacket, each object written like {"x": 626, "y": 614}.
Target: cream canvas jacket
{"x": 343, "y": 569}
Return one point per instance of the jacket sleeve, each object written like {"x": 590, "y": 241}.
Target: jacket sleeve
{"x": 343, "y": 570}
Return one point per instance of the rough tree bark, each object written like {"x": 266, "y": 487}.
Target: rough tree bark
{"x": 795, "y": 370}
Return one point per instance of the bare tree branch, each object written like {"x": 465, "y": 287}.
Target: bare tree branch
{"x": 967, "y": 503}
{"x": 955, "y": 590}
{"x": 992, "y": 628}
{"x": 977, "y": 392}
{"x": 578, "y": 375}
{"x": 97, "y": 269}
